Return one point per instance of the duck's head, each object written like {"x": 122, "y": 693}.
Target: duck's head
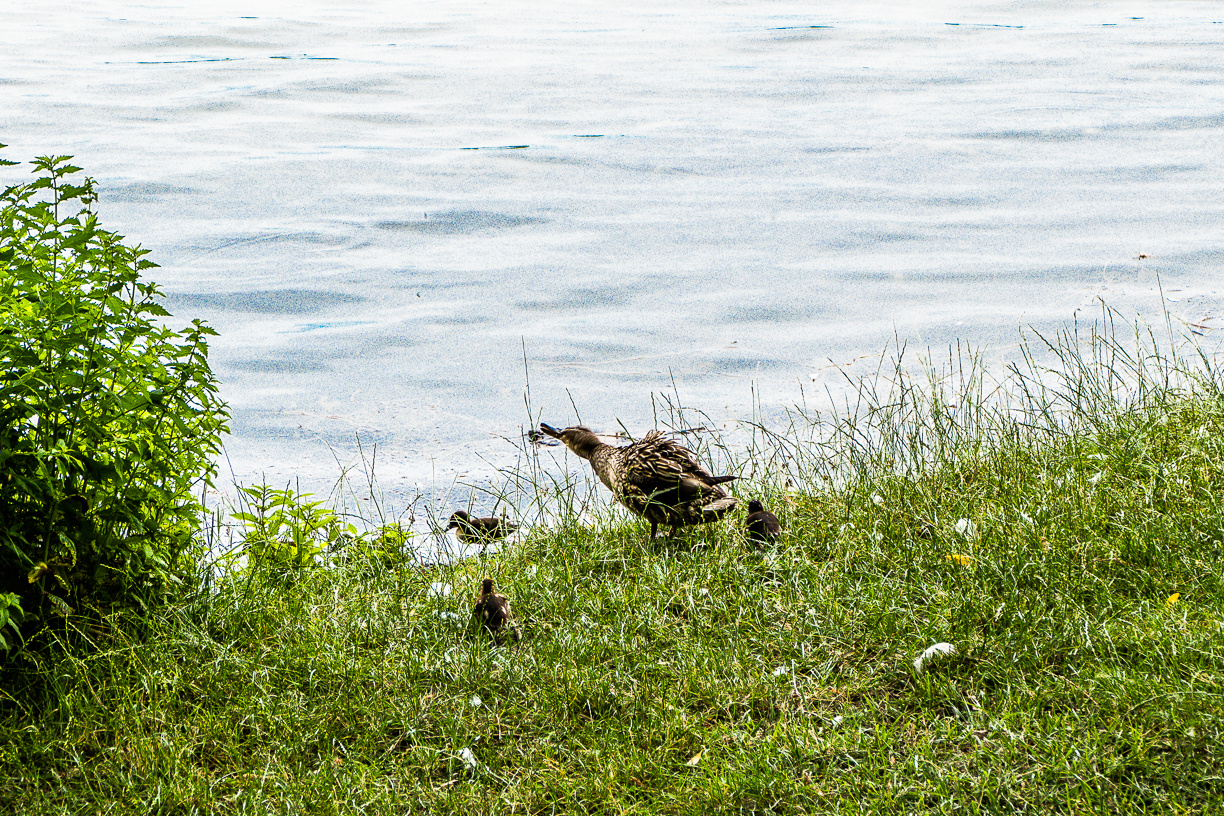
{"x": 457, "y": 518}
{"x": 578, "y": 438}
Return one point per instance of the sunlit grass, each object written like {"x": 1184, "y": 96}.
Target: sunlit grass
{"x": 1064, "y": 536}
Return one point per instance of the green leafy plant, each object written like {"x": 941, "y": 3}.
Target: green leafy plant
{"x": 109, "y": 420}
{"x": 284, "y": 531}
{"x": 10, "y": 616}
{"x": 387, "y": 547}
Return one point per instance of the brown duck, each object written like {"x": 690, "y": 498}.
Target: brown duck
{"x": 762, "y": 525}
{"x": 654, "y": 477}
{"x": 472, "y": 530}
{"x": 493, "y": 611}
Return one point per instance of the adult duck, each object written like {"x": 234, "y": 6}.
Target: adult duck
{"x": 654, "y": 477}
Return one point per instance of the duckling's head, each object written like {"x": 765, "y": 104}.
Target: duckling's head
{"x": 486, "y": 586}
{"x": 755, "y": 506}
{"x": 579, "y": 438}
{"x": 457, "y": 518}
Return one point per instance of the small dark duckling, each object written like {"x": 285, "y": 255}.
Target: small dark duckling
{"x": 493, "y": 611}
{"x": 472, "y": 530}
{"x": 762, "y": 525}
{"x": 654, "y": 477}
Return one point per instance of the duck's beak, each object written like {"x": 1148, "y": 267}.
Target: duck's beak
{"x": 550, "y": 431}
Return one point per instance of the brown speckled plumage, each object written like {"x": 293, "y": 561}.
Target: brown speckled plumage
{"x": 472, "y": 530}
{"x": 493, "y": 611}
{"x": 653, "y": 477}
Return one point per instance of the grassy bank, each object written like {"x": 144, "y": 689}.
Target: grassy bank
{"x": 1064, "y": 533}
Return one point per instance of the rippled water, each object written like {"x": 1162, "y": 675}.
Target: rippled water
{"x": 396, "y": 213}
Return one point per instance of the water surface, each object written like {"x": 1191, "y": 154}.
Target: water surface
{"x": 398, "y": 215}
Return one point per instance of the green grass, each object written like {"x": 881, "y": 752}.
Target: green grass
{"x": 703, "y": 676}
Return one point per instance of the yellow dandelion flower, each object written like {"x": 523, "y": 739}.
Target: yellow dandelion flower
{"x": 1172, "y": 599}
{"x": 963, "y": 560}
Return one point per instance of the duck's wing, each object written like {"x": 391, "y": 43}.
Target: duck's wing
{"x": 660, "y": 473}
{"x": 500, "y": 612}
{"x": 488, "y": 527}
{"x": 489, "y": 611}
{"x": 763, "y": 524}
{"x": 508, "y": 622}
{"x": 655, "y": 462}
{"x": 649, "y": 464}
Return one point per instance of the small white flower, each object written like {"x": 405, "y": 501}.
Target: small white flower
{"x": 837, "y": 721}
{"x": 469, "y": 759}
{"x": 876, "y": 498}
{"x": 476, "y": 701}
{"x": 967, "y": 528}
{"x": 781, "y": 670}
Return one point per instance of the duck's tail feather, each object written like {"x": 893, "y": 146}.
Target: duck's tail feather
{"x": 720, "y": 506}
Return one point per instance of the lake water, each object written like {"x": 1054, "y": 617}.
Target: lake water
{"x": 398, "y": 214}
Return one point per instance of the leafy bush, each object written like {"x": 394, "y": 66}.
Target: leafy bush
{"x": 109, "y": 420}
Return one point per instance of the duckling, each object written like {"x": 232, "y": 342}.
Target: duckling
{"x": 654, "y": 477}
{"x": 472, "y": 530}
{"x": 762, "y": 525}
{"x": 493, "y": 611}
